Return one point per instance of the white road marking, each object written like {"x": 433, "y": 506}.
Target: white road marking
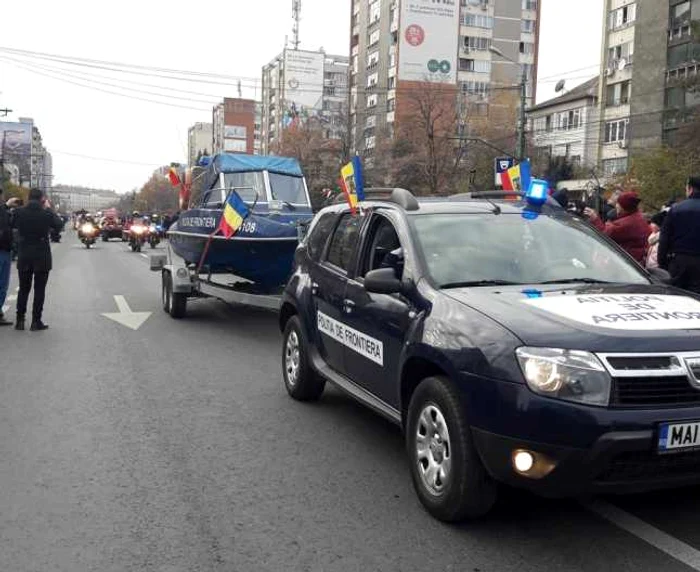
{"x": 125, "y": 316}
{"x": 144, "y": 255}
{"x": 657, "y": 538}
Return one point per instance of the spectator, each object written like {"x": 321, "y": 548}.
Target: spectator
{"x": 629, "y": 229}
{"x": 5, "y": 256}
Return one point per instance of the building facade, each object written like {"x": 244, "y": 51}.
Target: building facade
{"x": 67, "y": 198}
{"x": 199, "y": 141}
{"x": 24, "y": 155}
{"x": 299, "y": 86}
{"x": 568, "y": 126}
{"x": 395, "y": 42}
{"x": 649, "y": 66}
{"x": 234, "y": 122}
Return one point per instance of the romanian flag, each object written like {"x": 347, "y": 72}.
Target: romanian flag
{"x": 353, "y": 182}
{"x": 235, "y": 212}
{"x": 517, "y": 178}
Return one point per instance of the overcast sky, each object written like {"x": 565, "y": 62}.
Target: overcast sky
{"x": 104, "y": 140}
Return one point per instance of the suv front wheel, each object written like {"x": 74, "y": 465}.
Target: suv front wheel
{"x": 301, "y": 381}
{"x": 447, "y": 473}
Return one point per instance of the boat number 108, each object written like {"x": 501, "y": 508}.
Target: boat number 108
{"x": 249, "y": 226}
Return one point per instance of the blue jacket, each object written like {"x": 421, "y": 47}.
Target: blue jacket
{"x": 680, "y": 233}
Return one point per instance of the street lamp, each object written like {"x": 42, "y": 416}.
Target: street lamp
{"x": 523, "y": 97}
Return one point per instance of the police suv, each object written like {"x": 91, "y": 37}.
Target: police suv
{"x": 511, "y": 341}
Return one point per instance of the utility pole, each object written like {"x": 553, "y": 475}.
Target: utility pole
{"x": 523, "y": 120}
{"x": 5, "y": 112}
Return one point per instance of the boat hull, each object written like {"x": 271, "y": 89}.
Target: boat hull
{"x": 262, "y": 251}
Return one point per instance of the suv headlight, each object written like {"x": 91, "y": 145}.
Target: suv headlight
{"x": 565, "y": 374}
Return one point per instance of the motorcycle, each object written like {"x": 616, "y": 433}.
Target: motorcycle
{"x": 88, "y": 234}
{"x": 154, "y": 233}
{"x": 137, "y": 237}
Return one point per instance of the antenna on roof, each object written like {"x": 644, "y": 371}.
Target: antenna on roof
{"x": 296, "y": 15}
{"x": 560, "y": 85}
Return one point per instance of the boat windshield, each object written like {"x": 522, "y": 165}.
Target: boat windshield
{"x": 247, "y": 185}
{"x": 288, "y": 189}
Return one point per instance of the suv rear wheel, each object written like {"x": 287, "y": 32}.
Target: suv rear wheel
{"x": 447, "y": 473}
{"x": 302, "y": 383}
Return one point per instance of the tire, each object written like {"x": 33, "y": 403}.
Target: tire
{"x": 301, "y": 382}
{"x": 153, "y": 245}
{"x": 174, "y": 303}
{"x": 87, "y": 245}
{"x": 465, "y": 490}
{"x": 104, "y": 238}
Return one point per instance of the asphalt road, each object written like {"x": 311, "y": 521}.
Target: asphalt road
{"x": 175, "y": 448}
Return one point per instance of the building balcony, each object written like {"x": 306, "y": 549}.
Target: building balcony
{"x": 394, "y": 25}
{"x": 391, "y": 117}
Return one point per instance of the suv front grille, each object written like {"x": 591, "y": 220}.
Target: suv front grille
{"x": 653, "y": 380}
{"x": 653, "y": 391}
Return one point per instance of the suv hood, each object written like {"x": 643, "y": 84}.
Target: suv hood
{"x": 599, "y": 317}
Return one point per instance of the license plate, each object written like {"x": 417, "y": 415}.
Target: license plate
{"x": 679, "y": 436}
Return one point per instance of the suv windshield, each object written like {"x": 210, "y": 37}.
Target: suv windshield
{"x": 469, "y": 249}
{"x": 288, "y": 189}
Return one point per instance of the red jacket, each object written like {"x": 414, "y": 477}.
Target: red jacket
{"x": 630, "y": 231}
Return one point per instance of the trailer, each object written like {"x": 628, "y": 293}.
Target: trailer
{"x": 183, "y": 283}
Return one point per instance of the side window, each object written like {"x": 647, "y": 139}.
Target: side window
{"x": 344, "y": 241}
{"x": 382, "y": 248}
{"x": 214, "y": 199}
{"x": 319, "y": 236}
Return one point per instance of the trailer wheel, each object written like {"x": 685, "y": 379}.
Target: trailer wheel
{"x": 174, "y": 303}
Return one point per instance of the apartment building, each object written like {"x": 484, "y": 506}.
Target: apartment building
{"x": 234, "y": 126}
{"x": 199, "y": 140}
{"x": 299, "y": 86}
{"x": 407, "y": 42}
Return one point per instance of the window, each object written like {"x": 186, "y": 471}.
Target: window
{"x": 372, "y": 100}
{"x": 373, "y": 59}
{"x": 477, "y": 21}
{"x": 474, "y": 43}
{"x": 478, "y": 88}
{"x": 374, "y": 37}
{"x": 620, "y": 52}
{"x": 215, "y": 199}
{"x": 569, "y": 120}
{"x": 247, "y": 185}
{"x": 475, "y": 2}
{"x": 478, "y": 66}
{"x": 529, "y": 4}
{"x": 382, "y": 244}
{"x": 622, "y": 16}
{"x": 528, "y": 26}
{"x": 618, "y": 94}
{"x": 372, "y": 80}
{"x": 288, "y": 189}
{"x": 680, "y": 12}
{"x": 616, "y": 130}
{"x": 527, "y": 48}
{"x": 375, "y": 10}
{"x": 343, "y": 242}
{"x": 612, "y": 167}
{"x": 318, "y": 237}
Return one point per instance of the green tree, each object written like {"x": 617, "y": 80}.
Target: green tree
{"x": 661, "y": 174}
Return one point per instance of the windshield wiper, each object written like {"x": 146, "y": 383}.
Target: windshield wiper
{"x": 575, "y": 280}
{"x": 474, "y": 283}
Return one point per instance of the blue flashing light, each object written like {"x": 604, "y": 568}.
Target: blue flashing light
{"x": 537, "y": 192}
{"x": 530, "y": 214}
{"x": 533, "y": 293}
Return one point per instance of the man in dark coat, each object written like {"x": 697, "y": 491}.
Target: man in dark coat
{"x": 679, "y": 245}
{"x": 33, "y": 223}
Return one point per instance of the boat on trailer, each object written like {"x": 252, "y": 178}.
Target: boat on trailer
{"x": 262, "y": 250}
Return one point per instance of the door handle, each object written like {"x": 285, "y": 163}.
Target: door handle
{"x": 348, "y": 306}
{"x": 314, "y": 288}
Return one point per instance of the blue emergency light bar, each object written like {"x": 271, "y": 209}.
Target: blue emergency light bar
{"x": 537, "y": 192}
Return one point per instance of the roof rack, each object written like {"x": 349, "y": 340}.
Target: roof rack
{"x": 401, "y": 197}
{"x": 488, "y": 195}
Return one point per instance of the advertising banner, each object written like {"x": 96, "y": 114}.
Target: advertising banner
{"x": 235, "y": 132}
{"x": 303, "y": 72}
{"x": 16, "y": 146}
{"x": 429, "y": 40}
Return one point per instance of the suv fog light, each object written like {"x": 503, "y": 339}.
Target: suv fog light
{"x": 182, "y": 273}
{"x": 532, "y": 465}
{"x": 523, "y": 461}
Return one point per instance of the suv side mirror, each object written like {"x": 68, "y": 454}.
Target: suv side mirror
{"x": 659, "y": 275}
{"x": 383, "y": 281}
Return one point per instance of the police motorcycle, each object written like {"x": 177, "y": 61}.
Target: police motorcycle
{"x": 88, "y": 232}
{"x": 137, "y": 236}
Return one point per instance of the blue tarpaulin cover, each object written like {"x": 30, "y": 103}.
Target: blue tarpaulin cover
{"x": 232, "y": 163}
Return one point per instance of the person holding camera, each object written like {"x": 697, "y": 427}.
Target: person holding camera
{"x": 629, "y": 229}
{"x": 33, "y": 223}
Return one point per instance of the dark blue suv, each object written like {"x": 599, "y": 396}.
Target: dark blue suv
{"x": 512, "y": 343}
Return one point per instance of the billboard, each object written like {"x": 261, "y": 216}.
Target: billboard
{"x": 303, "y": 76}
{"x": 16, "y": 147}
{"x": 429, "y": 40}
{"x": 235, "y": 132}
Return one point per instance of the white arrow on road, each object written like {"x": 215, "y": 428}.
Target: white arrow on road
{"x": 125, "y": 316}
